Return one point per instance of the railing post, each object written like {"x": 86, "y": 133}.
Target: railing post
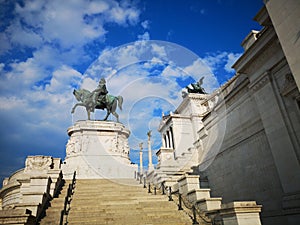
{"x": 180, "y": 204}
{"x": 61, "y": 217}
{"x": 170, "y": 194}
{"x": 68, "y": 199}
{"x": 144, "y": 182}
{"x": 149, "y": 188}
{"x": 73, "y": 180}
{"x": 65, "y": 204}
{"x": 70, "y": 189}
{"x": 194, "y": 216}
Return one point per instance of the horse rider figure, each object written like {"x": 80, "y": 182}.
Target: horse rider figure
{"x": 99, "y": 95}
{"x": 98, "y": 99}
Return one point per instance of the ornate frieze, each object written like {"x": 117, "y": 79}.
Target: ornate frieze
{"x": 38, "y": 163}
{"x": 289, "y": 85}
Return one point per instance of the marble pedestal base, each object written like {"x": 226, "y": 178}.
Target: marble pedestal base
{"x": 98, "y": 149}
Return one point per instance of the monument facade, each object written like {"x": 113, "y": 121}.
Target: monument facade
{"x": 243, "y": 140}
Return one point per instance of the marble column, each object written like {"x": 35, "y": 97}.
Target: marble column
{"x": 167, "y": 140}
{"x": 150, "y": 165}
{"x": 141, "y": 158}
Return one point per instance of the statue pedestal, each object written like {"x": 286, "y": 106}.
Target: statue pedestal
{"x": 98, "y": 149}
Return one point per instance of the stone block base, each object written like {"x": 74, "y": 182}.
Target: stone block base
{"x": 98, "y": 149}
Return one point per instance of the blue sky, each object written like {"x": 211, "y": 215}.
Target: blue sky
{"x": 147, "y": 50}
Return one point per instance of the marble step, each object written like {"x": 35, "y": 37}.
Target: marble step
{"x": 106, "y": 202}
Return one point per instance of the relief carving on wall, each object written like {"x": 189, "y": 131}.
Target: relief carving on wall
{"x": 72, "y": 146}
{"x": 289, "y": 85}
{"x": 38, "y": 163}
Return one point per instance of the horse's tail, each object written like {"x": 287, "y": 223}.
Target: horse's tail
{"x": 120, "y": 101}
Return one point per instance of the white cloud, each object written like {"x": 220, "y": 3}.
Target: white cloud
{"x": 231, "y": 59}
{"x": 22, "y": 76}
{"x": 23, "y": 36}
{"x": 48, "y": 56}
{"x": 1, "y": 66}
{"x": 214, "y": 59}
{"x": 5, "y": 43}
{"x": 67, "y": 23}
{"x": 159, "y": 51}
{"x": 225, "y": 59}
{"x": 198, "y": 68}
{"x": 88, "y": 84}
{"x": 122, "y": 15}
{"x": 145, "y": 24}
{"x": 62, "y": 79}
{"x": 145, "y": 36}
{"x": 8, "y": 103}
{"x": 171, "y": 71}
{"x": 97, "y": 7}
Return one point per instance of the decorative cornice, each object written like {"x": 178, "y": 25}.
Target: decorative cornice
{"x": 98, "y": 126}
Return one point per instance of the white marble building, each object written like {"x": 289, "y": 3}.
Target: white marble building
{"x": 244, "y": 138}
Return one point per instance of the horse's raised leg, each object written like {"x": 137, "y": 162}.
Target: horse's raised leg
{"x": 73, "y": 109}
{"x": 116, "y": 115}
{"x": 75, "y": 106}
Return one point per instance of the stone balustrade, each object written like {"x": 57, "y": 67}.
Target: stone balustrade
{"x": 233, "y": 213}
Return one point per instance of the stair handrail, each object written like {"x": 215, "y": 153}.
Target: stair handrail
{"x": 192, "y": 208}
{"x": 68, "y": 200}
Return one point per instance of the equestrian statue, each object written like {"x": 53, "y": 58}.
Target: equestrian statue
{"x": 98, "y": 99}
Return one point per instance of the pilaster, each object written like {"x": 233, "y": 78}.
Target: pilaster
{"x": 281, "y": 145}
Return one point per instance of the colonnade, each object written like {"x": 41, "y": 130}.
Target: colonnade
{"x": 168, "y": 139}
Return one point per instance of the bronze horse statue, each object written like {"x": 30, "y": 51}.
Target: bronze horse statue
{"x": 86, "y": 99}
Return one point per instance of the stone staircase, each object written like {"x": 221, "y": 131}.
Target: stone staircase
{"x": 117, "y": 202}
{"x": 53, "y": 212}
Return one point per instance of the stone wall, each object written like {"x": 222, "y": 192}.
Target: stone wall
{"x": 259, "y": 156}
{"x": 247, "y": 143}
